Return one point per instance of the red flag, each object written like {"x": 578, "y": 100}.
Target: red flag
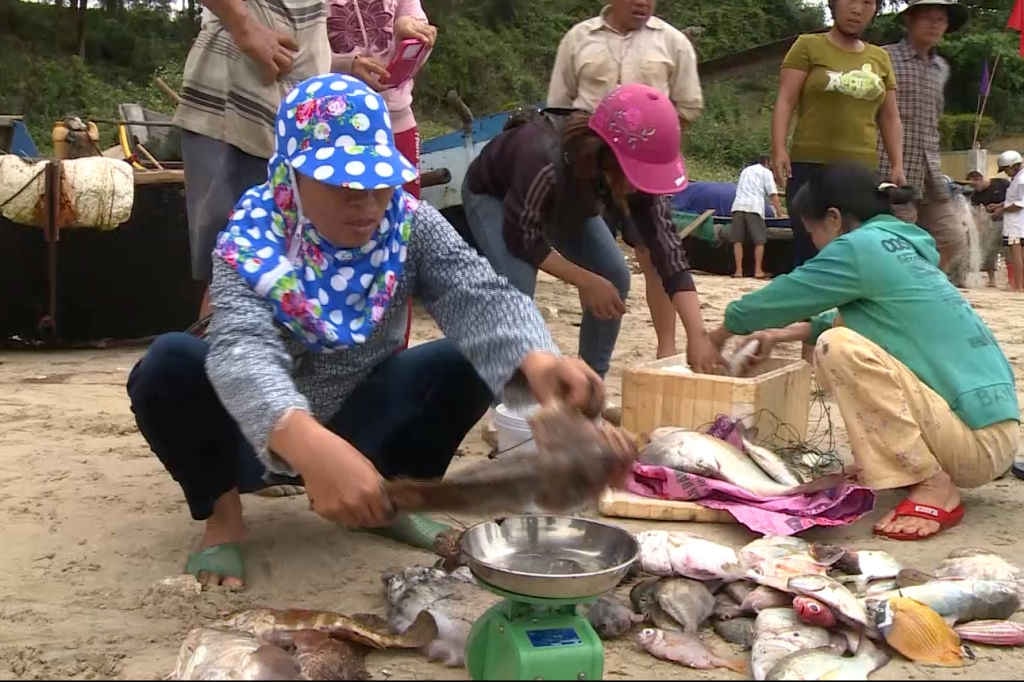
{"x": 1016, "y": 22}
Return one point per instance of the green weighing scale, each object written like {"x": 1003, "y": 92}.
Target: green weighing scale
{"x": 543, "y": 566}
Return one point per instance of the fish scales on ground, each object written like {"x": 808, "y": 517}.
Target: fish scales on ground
{"x": 779, "y": 632}
{"x": 844, "y": 604}
{"x": 686, "y": 649}
{"x": 683, "y": 554}
{"x": 825, "y": 664}
{"x": 699, "y": 453}
{"x": 366, "y": 629}
{"x": 454, "y": 600}
{"x": 219, "y": 654}
{"x": 576, "y": 460}
{"x": 919, "y": 633}
{"x": 958, "y": 600}
{"x": 992, "y": 632}
{"x": 611, "y": 617}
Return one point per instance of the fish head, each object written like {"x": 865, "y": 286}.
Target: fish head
{"x": 644, "y": 594}
{"x": 813, "y": 612}
{"x": 647, "y": 636}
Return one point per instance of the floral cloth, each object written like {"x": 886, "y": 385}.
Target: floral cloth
{"x": 335, "y": 130}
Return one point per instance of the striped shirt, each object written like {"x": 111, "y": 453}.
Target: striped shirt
{"x": 223, "y": 96}
{"x": 920, "y": 83}
{"x": 518, "y": 167}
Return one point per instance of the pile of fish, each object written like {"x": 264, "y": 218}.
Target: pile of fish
{"x": 756, "y": 469}
{"x": 810, "y": 611}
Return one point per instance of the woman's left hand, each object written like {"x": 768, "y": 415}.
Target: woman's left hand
{"x": 552, "y": 377}
{"x": 702, "y": 354}
{"x": 411, "y": 27}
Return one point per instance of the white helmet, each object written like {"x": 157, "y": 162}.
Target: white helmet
{"x": 1008, "y": 159}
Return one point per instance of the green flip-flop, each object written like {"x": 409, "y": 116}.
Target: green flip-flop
{"x": 224, "y": 560}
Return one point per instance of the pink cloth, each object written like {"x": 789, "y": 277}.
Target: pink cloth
{"x": 839, "y": 506}
{"x": 367, "y": 28}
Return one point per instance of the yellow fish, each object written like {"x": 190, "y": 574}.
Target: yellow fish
{"x": 920, "y": 634}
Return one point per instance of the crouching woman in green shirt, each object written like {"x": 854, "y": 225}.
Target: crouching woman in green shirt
{"x": 926, "y": 394}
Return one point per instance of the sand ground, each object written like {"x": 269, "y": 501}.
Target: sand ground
{"x": 92, "y": 521}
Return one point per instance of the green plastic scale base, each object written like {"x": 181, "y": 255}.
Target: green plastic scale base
{"x": 524, "y": 638}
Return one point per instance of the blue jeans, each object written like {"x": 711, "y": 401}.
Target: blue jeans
{"x": 407, "y": 417}
{"x": 592, "y": 247}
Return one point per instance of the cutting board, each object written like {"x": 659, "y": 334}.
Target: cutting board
{"x": 628, "y": 505}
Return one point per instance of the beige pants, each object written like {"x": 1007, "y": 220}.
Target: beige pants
{"x": 941, "y": 219}
{"x": 901, "y": 431}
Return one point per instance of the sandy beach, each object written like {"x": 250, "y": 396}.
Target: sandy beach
{"x": 93, "y": 522}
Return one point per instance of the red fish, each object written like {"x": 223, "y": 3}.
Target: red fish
{"x": 813, "y": 612}
{"x": 996, "y": 632}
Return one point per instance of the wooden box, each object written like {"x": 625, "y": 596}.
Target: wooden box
{"x": 658, "y": 393}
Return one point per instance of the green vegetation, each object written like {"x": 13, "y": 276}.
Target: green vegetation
{"x": 495, "y": 53}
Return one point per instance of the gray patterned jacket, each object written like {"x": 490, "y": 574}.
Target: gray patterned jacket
{"x": 260, "y": 372}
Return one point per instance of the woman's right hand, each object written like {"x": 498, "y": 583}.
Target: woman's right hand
{"x": 601, "y": 298}
{"x": 370, "y": 71}
{"x": 781, "y": 166}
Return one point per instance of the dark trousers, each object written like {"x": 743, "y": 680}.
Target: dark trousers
{"x": 803, "y": 247}
{"x": 408, "y": 417}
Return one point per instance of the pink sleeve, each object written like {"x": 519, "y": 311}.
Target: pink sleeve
{"x": 410, "y": 8}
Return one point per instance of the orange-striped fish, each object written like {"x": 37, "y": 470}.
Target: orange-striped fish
{"x": 995, "y": 632}
{"x": 919, "y": 633}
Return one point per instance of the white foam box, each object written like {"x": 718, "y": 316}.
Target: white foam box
{"x": 665, "y": 393}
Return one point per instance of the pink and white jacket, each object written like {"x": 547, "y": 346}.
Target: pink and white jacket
{"x": 366, "y": 28}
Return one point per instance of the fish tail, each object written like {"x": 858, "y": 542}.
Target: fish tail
{"x": 738, "y": 665}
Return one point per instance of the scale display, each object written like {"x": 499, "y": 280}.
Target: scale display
{"x": 553, "y": 637}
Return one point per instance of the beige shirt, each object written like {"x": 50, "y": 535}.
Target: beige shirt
{"x": 593, "y": 58}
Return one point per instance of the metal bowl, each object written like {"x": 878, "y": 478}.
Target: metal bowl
{"x": 556, "y": 557}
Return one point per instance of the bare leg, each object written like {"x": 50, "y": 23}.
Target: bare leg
{"x": 759, "y": 261}
{"x": 663, "y": 313}
{"x": 225, "y": 525}
{"x": 737, "y": 252}
{"x": 1018, "y": 266}
{"x": 204, "y": 307}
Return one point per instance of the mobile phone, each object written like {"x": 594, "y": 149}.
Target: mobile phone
{"x": 408, "y": 59}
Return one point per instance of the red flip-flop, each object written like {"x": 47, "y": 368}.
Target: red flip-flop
{"x": 945, "y": 519}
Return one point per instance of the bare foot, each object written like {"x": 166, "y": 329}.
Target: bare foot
{"x": 937, "y": 491}
{"x": 224, "y": 526}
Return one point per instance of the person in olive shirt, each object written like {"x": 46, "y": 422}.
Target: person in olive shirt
{"x": 843, "y": 92}
{"x": 931, "y": 417}
{"x": 988, "y": 194}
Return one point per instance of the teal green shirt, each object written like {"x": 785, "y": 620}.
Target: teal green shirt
{"x": 884, "y": 281}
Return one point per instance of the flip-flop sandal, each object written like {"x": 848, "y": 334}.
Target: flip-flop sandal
{"x": 945, "y": 519}
{"x": 224, "y": 560}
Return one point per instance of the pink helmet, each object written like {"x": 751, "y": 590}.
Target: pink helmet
{"x": 641, "y": 126}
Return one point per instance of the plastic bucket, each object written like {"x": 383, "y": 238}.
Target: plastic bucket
{"x": 514, "y": 433}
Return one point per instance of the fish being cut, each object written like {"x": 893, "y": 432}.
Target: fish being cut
{"x": 665, "y": 552}
{"x": 686, "y": 649}
{"x": 824, "y": 663}
{"x": 704, "y": 455}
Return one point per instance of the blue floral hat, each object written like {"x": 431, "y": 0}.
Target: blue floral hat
{"x": 337, "y": 130}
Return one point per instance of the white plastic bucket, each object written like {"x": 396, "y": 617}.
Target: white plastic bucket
{"x": 514, "y": 433}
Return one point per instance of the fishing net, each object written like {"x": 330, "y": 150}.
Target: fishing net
{"x": 810, "y": 457}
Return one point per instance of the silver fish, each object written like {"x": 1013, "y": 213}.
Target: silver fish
{"x": 684, "y": 554}
{"x": 742, "y": 360}
{"x": 824, "y": 664}
{"x": 774, "y": 559}
{"x": 455, "y": 600}
{"x": 860, "y": 566}
{"x": 958, "y": 600}
{"x": 980, "y": 564}
{"x": 779, "y": 632}
{"x": 216, "y": 654}
{"x": 685, "y": 649}
{"x": 771, "y": 464}
{"x": 704, "y": 455}
{"x": 612, "y": 618}
{"x": 833, "y": 594}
